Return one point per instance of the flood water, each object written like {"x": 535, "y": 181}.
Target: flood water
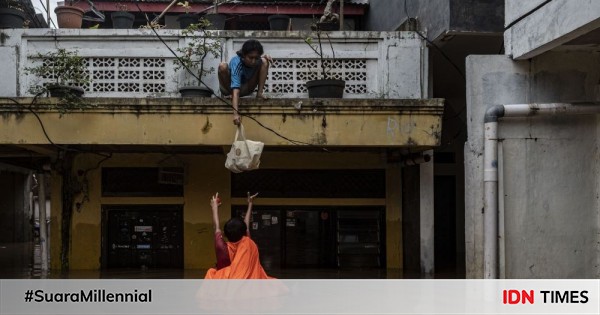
{"x": 21, "y": 261}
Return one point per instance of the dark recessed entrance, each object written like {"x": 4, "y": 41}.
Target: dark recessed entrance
{"x": 318, "y": 237}
{"x": 142, "y": 236}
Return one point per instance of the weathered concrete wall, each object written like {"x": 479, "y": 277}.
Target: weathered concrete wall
{"x": 476, "y": 16}
{"x": 374, "y": 65}
{"x": 207, "y": 121}
{"x": 515, "y": 9}
{"x": 385, "y": 15}
{"x": 437, "y": 17}
{"x": 388, "y": 15}
{"x": 550, "y": 166}
{"x": 10, "y": 80}
{"x": 550, "y": 26}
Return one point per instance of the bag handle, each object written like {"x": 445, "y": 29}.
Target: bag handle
{"x": 240, "y": 130}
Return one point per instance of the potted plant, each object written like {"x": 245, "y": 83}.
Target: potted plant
{"x": 192, "y": 57}
{"x": 188, "y": 18}
{"x": 279, "y": 22}
{"x": 329, "y": 21}
{"x": 326, "y": 87}
{"x": 62, "y": 74}
{"x": 12, "y": 14}
{"x": 122, "y": 18}
{"x": 68, "y": 15}
{"x": 217, "y": 21}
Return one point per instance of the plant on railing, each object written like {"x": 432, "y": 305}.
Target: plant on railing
{"x": 318, "y": 49}
{"x": 188, "y": 18}
{"x": 186, "y": 6}
{"x": 122, "y": 18}
{"x": 329, "y": 21}
{"x": 201, "y": 44}
{"x": 216, "y": 19}
{"x": 326, "y": 87}
{"x": 12, "y": 14}
{"x": 67, "y": 73}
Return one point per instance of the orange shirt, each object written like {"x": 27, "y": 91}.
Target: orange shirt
{"x": 245, "y": 263}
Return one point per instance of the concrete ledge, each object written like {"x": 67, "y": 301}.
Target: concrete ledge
{"x": 145, "y": 106}
{"x": 550, "y": 26}
{"x": 323, "y": 122}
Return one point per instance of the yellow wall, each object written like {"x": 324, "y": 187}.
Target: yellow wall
{"x": 207, "y": 121}
{"x": 205, "y": 175}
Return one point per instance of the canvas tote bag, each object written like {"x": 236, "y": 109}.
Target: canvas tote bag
{"x": 244, "y": 154}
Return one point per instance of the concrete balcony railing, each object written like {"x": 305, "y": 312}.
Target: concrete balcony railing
{"x": 135, "y": 63}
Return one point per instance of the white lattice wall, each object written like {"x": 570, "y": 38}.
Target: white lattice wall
{"x": 289, "y": 76}
{"x": 121, "y": 76}
{"x": 127, "y": 75}
{"x": 133, "y": 63}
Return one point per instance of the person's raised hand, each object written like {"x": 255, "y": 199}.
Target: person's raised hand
{"x": 251, "y": 197}
{"x": 215, "y": 201}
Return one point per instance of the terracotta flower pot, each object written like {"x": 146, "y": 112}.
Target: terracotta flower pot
{"x": 69, "y": 16}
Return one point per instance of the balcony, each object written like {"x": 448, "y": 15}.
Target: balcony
{"x": 135, "y": 91}
{"x": 134, "y": 63}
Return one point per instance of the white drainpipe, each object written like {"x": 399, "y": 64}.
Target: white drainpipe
{"x": 490, "y": 166}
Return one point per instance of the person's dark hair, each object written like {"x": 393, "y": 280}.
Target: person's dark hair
{"x": 235, "y": 228}
{"x": 250, "y": 46}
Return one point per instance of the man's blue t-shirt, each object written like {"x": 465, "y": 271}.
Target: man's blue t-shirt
{"x": 240, "y": 73}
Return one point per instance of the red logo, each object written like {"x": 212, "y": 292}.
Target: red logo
{"x": 516, "y": 297}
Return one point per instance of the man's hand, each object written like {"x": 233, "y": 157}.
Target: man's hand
{"x": 251, "y": 197}
{"x": 237, "y": 119}
{"x": 268, "y": 57}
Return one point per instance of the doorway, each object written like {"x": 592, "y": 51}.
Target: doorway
{"x": 142, "y": 236}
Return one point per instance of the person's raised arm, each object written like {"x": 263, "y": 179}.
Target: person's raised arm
{"x": 235, "y": 100}
{"x": 249, "y": 211}
{"x": 215, "y": 202}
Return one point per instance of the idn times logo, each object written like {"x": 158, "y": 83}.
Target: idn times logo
{"x": 544, "y": 296}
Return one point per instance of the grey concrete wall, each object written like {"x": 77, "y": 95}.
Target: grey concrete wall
{"x": 514, "y": 9}
{"x": 436, "y": 17}
{"x": 433, "y": 16}
{"x": 477, "y": 16}
{"x": 551, "y": 166}
{"x": 550, "y": 26}
{"x": 388, "y": 15}
{"x": 385, "y": 15}
{"x": 10, "y": 41}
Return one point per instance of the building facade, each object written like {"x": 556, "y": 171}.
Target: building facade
{"x": 131, "y": 176}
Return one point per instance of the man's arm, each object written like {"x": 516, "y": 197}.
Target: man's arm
{"x": 235, "y": 100}
{"x": 215, "y": 202}
{"x": 249, "y": 212}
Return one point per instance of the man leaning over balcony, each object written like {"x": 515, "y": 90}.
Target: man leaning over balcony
{"x": 247, "y": 70}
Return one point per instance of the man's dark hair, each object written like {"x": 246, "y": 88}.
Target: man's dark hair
{"x": 250, "y": 46}
{"x": 235, "y": 228}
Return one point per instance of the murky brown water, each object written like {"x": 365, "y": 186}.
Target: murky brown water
{"x": 21, "y": 261}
